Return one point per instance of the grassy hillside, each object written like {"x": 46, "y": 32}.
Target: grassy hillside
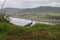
{"x": 9, "y": 31}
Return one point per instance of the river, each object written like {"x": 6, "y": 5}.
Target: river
{"x": 22, "y": 22}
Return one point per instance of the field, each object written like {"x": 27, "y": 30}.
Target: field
{"x": 43, "y": 17}
{"x": 38, "y": 31}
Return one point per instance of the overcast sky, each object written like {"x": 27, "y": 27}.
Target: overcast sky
{"x": 30, "y": 3}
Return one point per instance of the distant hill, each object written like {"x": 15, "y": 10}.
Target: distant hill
{"x": 42, "y": 9}
{"x": 11, "y": 10}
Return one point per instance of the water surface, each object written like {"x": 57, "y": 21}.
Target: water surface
{"x": 22, "y": 22}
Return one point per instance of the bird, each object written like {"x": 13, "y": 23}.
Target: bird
{"x": 29, "y": 24}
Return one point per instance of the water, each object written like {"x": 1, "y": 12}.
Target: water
{"x": 22, "y": 22}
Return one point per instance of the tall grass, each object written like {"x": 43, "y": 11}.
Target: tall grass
{"x": 38, "y": 31}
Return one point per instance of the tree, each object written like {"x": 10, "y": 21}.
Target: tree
{"x": 2, "y": 14}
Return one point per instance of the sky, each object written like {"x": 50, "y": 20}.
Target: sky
{"x": 30, "y": 3}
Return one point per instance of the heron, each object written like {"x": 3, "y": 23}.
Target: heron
{"x": 29, "y": 24}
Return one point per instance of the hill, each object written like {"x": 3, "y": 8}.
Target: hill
{"x": 11, "y": 10}
{"x": 42, "y": 9}
{"x": 38, "y": 10}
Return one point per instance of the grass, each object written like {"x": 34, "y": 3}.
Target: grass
{"x": 38, "y": 31}
{"x": 55, "y": 14}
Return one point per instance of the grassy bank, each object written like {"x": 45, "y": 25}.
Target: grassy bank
{"x": 9, "y": 31}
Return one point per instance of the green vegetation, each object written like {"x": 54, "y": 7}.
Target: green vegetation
{"x": 38, "y": 31}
